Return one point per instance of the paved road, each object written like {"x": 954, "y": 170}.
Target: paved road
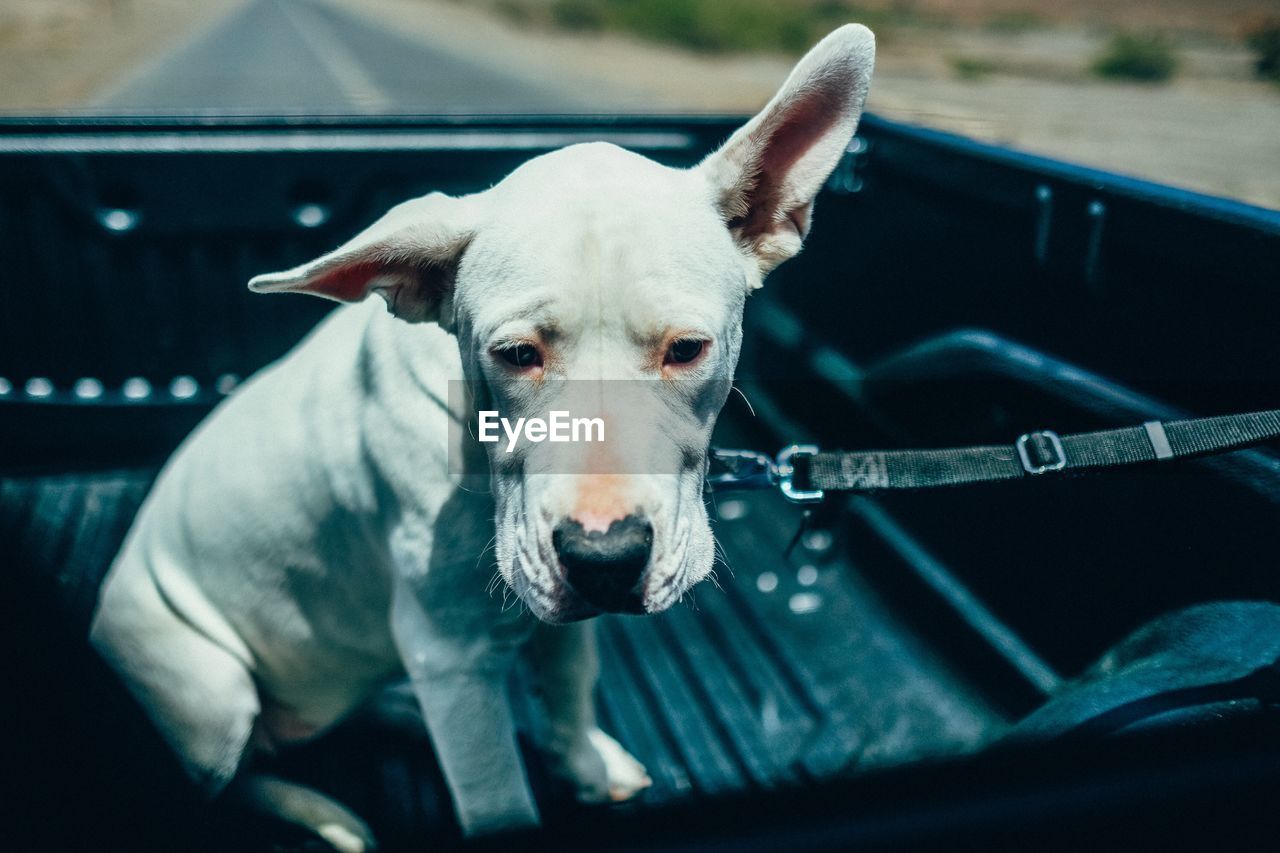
{"x": 305, "y": 56}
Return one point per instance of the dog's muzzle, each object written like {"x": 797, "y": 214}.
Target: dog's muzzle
{"x": 606, "y": 569}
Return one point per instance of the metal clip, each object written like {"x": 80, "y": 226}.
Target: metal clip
{"x": 745, "y": 469}
{"x": 749, "y": 469}
{"x": 785, "y": 472}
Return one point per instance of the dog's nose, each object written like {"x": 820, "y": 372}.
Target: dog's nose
{"x": 606, "y": 567}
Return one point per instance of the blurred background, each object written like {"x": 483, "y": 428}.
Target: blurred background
{"x": 1186, "y": 92}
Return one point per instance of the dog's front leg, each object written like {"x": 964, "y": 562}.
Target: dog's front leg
{"x": 566, "y": 666}
{"x": 458, "y": 660}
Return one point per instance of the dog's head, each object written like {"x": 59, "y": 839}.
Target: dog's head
{"x": 596, "y": 282}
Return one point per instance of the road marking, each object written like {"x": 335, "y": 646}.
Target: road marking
{"x": 120, "y": 88}
{"x": 356, "y": 84}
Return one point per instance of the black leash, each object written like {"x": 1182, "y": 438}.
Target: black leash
{"x": 804, "y": 473}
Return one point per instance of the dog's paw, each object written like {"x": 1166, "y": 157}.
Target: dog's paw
{"x": 624, "y": 776}
{"x": 346, "y": 839}
{"x": 599, "y": 769}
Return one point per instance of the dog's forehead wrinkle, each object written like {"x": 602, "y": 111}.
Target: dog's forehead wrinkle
{"x": 517, "y": 319}
{"x": 607, "y": 288}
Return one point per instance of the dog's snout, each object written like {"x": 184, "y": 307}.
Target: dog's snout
{"x": 606, "y": 567}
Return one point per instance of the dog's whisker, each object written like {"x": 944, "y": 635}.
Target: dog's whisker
{"x": 721, "y": 556}
{"x": 493, "y": 540}
{"x": 715, "y": 581}
{"x": 691, "y": 602}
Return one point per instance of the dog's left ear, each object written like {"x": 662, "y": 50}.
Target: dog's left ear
{"x": 766, "y": 176}
{"x": 409, "y": 257}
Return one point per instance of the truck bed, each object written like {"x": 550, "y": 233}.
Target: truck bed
{"x": 857, "y": 688}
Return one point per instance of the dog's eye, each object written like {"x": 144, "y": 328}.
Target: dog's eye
{"x": 522, "y": 356}
{"x": 684, "y": 350}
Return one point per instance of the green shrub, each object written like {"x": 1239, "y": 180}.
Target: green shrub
{"x": 1263, "y": 38}
{"x": 579, "y": 14}
{"x": 716, "y": 26}
{"x": 1015, "y": 22}
{"x": 970, "y": 67}
{"x": 712, "y": 26}
{"x": 1148, "y": 57}
{"x": 516, "y": 11}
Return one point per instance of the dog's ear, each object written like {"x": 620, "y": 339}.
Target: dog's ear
{"x": 409, "y": 257}
{"x": 767, "y": 174}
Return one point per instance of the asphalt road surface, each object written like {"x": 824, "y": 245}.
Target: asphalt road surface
{"x": 305, "y": 56}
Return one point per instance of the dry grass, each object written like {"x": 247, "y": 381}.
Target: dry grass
{"x": 54, "y": 54}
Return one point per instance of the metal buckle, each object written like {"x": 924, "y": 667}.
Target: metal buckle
{"x": 784, "y": 471}
{"x": 1056, "y": 462}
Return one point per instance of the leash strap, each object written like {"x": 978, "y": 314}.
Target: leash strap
{"x": 805, "y": 473}
{"x": 1034, "y": 454}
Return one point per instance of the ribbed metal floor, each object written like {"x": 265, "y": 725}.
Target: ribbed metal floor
{"x": 782, "y": 672}
{"x": 789, "y": 671}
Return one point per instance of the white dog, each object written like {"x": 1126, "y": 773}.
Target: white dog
{"x": 311, "y": 540}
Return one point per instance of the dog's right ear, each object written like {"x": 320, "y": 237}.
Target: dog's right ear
{"x": 409, "y": 257}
